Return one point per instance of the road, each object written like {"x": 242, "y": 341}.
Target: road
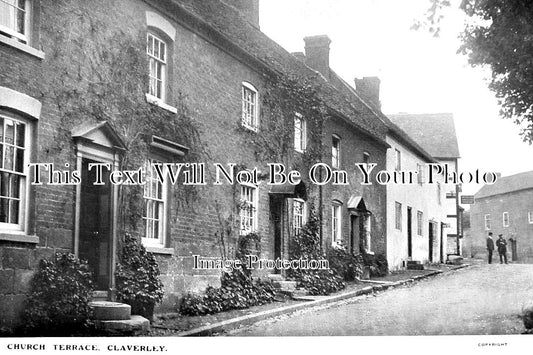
{"x": 478, "y": 300}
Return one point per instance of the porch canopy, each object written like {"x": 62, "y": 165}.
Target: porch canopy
{"x": 357, "y": 203}
{"x": 289, "y": 191}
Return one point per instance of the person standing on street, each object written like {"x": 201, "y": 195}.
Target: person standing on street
{"x": 502, "y": 248}
{"x": 490, "y": 246}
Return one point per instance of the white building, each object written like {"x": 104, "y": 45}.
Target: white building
{"x": 416, "y": 213}
{"x": 436, "y": 134}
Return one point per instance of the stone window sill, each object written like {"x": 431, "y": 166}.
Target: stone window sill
{"x": 156, "y": 101}
{"x": 21, "y": 46}
{"x": 160, "y": 250}
{"x": 20, "y": 238}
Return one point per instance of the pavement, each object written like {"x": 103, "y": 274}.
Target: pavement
{"x": 226, "y": 322}
{"x": 479, "y": 300}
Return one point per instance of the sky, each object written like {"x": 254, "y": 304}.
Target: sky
{"x": 419, "y": 73}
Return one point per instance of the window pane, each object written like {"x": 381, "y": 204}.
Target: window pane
{"x": 4, "y": 184}
{"x": 19, "y": 161}
{"x": 14, "y": 190}
{"x": 8, "y": 158}
{"x": 10, "y": 132}
{"x": 4, "y": 210}
{"x": 14, "y": 211}
{"x": 21, "y": 130}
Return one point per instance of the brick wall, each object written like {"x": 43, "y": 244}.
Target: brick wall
{"x": 518, "y": 204}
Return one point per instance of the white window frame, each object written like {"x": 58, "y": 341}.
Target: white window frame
{"x": 336, "y": 223}
{"x": 530, "y": 217}
{"x": 368, "y": 233}
{"x": 335, "y": 151}
{"x": 487, "y": 222}
{"x": 420, "y": 223}
{"x": 397, "y": 159}
{"x": 155, "y": 60}
{"x": 421, "y": 176}
{"x": 248, "y": 209}
{"x": 505, "y": 219}
{"x": 10, "y": 30}
{"x": 398, "y": 215}
{"x": 151, "y": 177}
{"x": 299, "y": 215}
{"x": 250, "y": 120}
{"x": 366, "y": 157}
{"x": 21, "y": 225}
{"x": 300, "y": 133}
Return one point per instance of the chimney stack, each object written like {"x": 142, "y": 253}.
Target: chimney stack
{"x": 368, "y": 87}
{"x": 248, "y": 8}
{"x": 317, "y": 53}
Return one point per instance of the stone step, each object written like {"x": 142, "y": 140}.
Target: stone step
{"x": 275, "y": 277}
{"x": 105, "y": 310}
{"x": 299, "y": 292}
{"x": 414, "y": 262}
{"x": 415, "y": 267}
{"x": 137, "y": 325}
{"x": 285, "y": 286}
{"x": 100, "y": 296}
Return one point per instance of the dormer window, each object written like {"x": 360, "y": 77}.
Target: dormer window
{"x": 15, "y": 19}
{"x": 250, "y": 107}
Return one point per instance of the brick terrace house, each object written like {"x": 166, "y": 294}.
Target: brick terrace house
{"x": 505, "y": 207}
{"x": 416, "y": 209}
{"x": 130, "y": 82}
{"x": 436, "y": 134}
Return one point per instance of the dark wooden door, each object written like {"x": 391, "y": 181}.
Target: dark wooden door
{"x": 409, "y": 232}
{"x": 95, "y": 221}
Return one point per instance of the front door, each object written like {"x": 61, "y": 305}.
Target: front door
{"x": 356, "y": 234}
{"x": 95, "y": 225}
{"x": 409, "y": 233}
{"x": 276, "y": 212}
{"x": 431, "y": 237}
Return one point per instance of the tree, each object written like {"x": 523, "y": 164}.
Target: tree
{"x": 499, "y": 36}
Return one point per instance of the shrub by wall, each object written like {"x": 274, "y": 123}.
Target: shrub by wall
{"x": 58, "y": 303}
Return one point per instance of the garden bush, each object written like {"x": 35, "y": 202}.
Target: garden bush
{"x": 58, "y": 303}
{"x": 137, "y": 278}
{"x": 238, "y": 290}
{"x": 306, "y": 245}
{"x": 377, "y": 264}
{"x": 345, "y": 264}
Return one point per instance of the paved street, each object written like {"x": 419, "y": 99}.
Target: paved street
{"x": 481, "y": 299}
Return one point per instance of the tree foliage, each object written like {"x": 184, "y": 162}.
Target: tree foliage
{"x": 498, "y": 35}
{"x": 502, "y": 38}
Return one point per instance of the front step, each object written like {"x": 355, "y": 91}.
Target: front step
{"x": 114, "y": 318}
{"x": 299, "y": 292}
{"x": 105, "y": 310}
{"x": 275, "y": 277}
{"x": 100, "y": 296}
{"x": 414, "y": 265}
{"x": 137, "y": 325}
{"x": 284, "y": 286}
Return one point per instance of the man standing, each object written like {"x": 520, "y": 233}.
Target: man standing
{"x": 502, "y": 248}
{"x": 490, "y": 246}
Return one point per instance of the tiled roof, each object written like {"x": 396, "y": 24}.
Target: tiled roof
{"x": 225, "y": 20}
{"x": 435, "y": 132}
{"x": 507, "y": 184}
{"x": 394, "y": 130}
